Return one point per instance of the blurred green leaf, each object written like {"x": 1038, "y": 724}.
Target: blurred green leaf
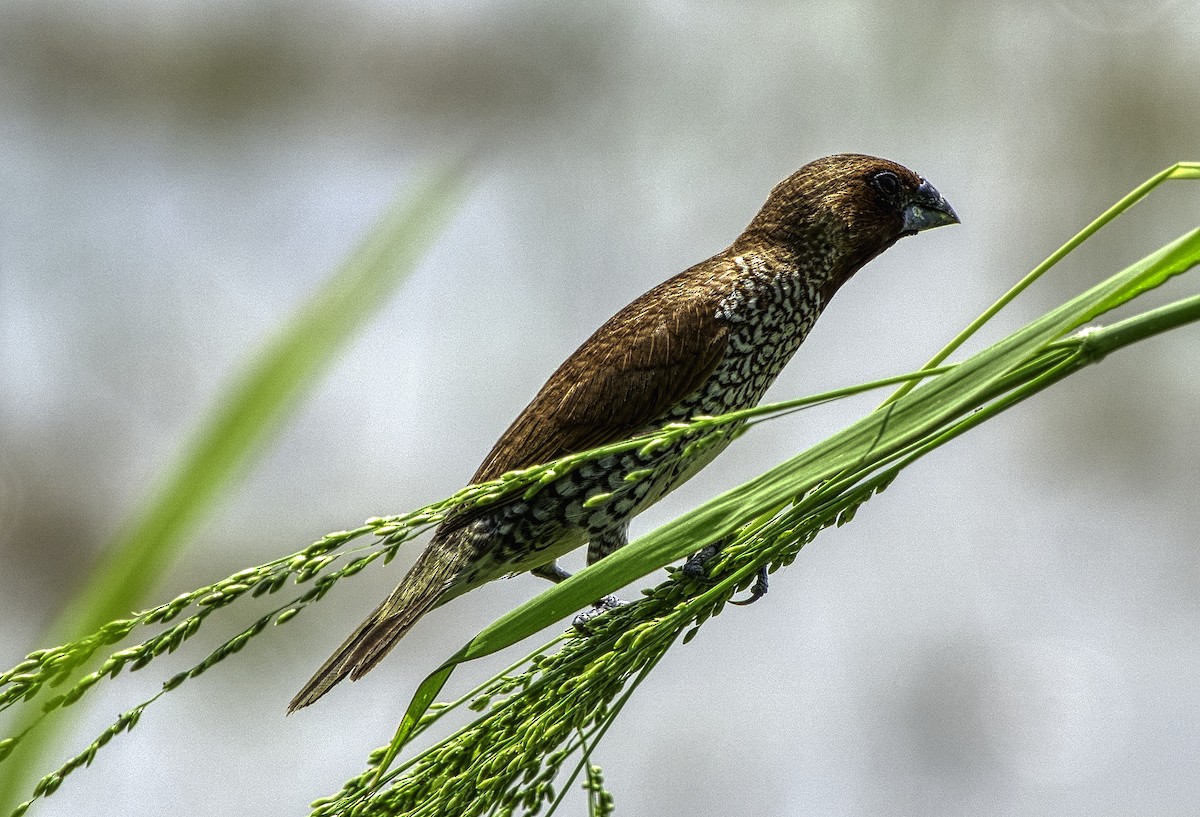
{"x": 242, "y": 423}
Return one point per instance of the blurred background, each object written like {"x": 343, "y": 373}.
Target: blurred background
{"x": 1012, "y": 628}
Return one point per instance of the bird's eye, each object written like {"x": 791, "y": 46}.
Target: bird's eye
{"x": 887, "y": 183}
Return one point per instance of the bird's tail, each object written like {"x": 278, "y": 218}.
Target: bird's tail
{"x": 419, "y": 592}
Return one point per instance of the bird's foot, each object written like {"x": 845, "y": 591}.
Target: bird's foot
{"x": 757, "y": 590}
{"x": 601, "y": 607}
{"x": 694, "y": 568}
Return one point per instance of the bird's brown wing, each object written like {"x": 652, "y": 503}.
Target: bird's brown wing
{"x": 647, "y": 358}
{"x": 644, "y": 360}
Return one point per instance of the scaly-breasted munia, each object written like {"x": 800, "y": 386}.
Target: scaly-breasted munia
{"x": 708, "y": 341}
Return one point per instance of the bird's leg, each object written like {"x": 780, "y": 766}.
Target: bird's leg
{"x": 695, "y": 568}
{"x": 605, "y": 541}
{"x": 600, "y": 544}
{"x": 551, "y": 571}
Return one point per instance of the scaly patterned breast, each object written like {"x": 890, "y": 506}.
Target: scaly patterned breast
{"x": 771, "y": 312}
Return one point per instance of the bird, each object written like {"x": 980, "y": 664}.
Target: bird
{"x": 708, "y": 341}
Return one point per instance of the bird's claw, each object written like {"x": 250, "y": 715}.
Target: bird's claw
{"x": 757, "y": 590}
{"x": 694, "y": 568}
{"x": 601, "y": 607}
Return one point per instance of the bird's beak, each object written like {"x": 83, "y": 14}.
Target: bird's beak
{"x": 927, "y": 209}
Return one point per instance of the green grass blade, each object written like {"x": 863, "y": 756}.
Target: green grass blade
{"x": 245, "y": 419}
{"x": 1180, "y": 170}
{"x": 1139, "y": 327}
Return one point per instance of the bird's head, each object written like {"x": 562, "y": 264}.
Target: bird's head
{"x": 846, "y": 209}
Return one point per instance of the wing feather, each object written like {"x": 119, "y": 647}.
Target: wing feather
{"x": 643, "y": 361}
